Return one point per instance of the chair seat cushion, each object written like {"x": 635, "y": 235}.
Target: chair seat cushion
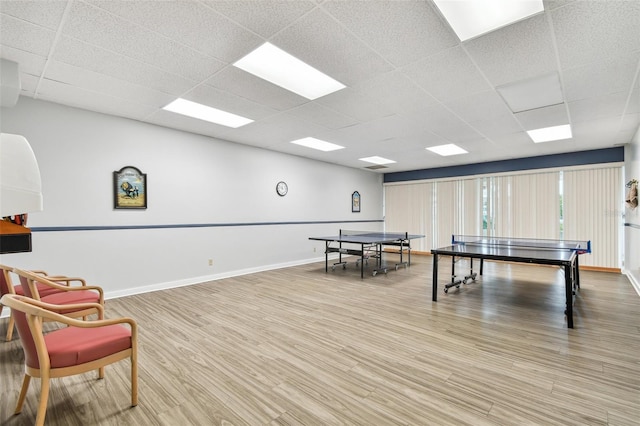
{"x": 43, "y": 290}
{"x": 69, "y": 297}
{"x": 74, "y": 345}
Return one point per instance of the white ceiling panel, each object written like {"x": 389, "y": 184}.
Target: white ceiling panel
{"x": 93, "y": 58}
{"x": 265, "y": 18}
{"x": 554, "y": 115}
{"x": 316, "y": 113}
{"x": 588, "y": 31}
{"x": 596, "y": 80}
{"x": 46, "y": 14}
{"x": 467, "y": 107}
{"x": 26, "y": 36}
{"x": 594, "y": 108}
{"x": 448, "y": 75}
{"x": 380, "y": 24}
{"x": 338, "y": 53}
{"x": 517, "y": 52}
{"x": 191, "y": 24}
{"x": 75, "y": 96}
{"x": 410, "y": 82}
{"x": 106, "y": 85}
{"x": 112, "y": 33}
{"x": 241, "y": 83}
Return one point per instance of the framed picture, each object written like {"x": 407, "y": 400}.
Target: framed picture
{"x": 129, "y": 188}
{"x": 355, "y": 202}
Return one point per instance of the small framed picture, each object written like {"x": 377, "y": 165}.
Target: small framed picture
{"x": 129, "y": 188}
{"x": 355, "y": 202}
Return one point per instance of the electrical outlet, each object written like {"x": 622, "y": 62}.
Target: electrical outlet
{"x": 314, "y": 249}
{"x": 210, "y": 262}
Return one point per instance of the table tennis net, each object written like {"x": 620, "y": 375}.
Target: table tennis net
{"x": 375, "y": 234}
{"x": 529, "y": 243}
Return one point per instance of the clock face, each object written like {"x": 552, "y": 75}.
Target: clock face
{"x": 282, "y": 188}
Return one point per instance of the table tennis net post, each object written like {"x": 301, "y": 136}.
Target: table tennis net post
{"x": 530, "y": 243}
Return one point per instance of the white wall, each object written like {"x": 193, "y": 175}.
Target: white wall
{"x": 632, "y": 217}
{"x": 191, "y": 179}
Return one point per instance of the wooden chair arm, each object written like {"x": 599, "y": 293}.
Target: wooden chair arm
{"x": 68, "y": 280}
{"x": 54, "y": 284}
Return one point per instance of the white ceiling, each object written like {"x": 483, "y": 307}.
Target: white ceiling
{"x": 410, "y": 82}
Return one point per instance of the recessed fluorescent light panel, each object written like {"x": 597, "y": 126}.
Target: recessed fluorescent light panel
{"x": 280, "y": 68}
{"x": 377, "y": 160}
{"x": 206, "y": 113}
{"x": 548, "y": 134}
{"x": 318, "y": 144}
{"x": 448, "y": 149}
{"x": 471, "y": 18}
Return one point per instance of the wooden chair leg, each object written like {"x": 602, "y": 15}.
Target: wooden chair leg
{"x": 134, "y": 380}
{"x": 23, "y": 393}
{"x": 44, "y": 397}
{"x": 10, "y": 327}
{"x": 101, "y": 373}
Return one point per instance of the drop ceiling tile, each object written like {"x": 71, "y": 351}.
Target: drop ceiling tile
{"x": 400, "y": 31}
{"x": 601, "y": 78}
{"x": 22, "y": 35}
{"x": 516, "y": 52}
{"x": 338, "y": 53}
{"x": 93, "y": 58}
{"x": 554, "y": 115}
{"x": 189, "y": 23}
{"x": 171, "y": 120}
{"x": 74, "y": 96}
{"x": 466, "y": 108}
{"x": 264, "y": 17}
{"x": 100, "y": 28}
{"x": 229, "y": 102}
{"x": 398, "y": 92}
{"x": 447, "y": 75}
{"x": 106, "y": 85}
{"x": 589, "y": 31}
{"x": 314, "y": 112}
{"x": 598, "y": 107}
{"x": 355, "y": 104}
{"x": 446, "y": 124}
{"x": 246, "y": 85}
{"x": 274, "y": 130}
{"x": 47, "y": 14}
{"x": 497, "y": 126}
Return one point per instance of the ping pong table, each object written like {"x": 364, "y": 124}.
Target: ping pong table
{"x": 366, "y": 245}
{"x": 562, "y": 253}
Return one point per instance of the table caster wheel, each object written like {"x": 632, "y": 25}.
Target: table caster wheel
{"x": 374, "y": 273}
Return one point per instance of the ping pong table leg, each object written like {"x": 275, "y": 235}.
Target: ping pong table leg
{"x": 568, "y": 293}
{"x": 577, "y": 273}
{"x": 434, "y": 285}
{"x": 362, "y": 261}
{"x": 326, "y": 256}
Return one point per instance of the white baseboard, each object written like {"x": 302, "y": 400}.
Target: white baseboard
{"x": 634, "y": 281}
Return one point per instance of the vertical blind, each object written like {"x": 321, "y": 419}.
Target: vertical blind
{"x": 573, "y": 205}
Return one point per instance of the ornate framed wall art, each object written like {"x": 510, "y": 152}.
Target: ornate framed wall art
{"x": 129, "y": 188}
{"x": 355, "y": 202}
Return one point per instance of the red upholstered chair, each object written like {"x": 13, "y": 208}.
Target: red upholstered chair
{"x": 80, "y": 347}
{"x": 7, "y": 287}
{"x": 59, "y": 294}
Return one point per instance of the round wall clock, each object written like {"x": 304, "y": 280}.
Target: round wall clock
{"x": 282, "y": 188}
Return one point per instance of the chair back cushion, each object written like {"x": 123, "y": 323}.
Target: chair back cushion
{"x": 75, "y": 345}
{"x": 4, "y": 283}
{"x": 28, "y": 343}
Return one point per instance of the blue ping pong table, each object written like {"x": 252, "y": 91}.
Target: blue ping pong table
{"x": 561, "y": 253}
{"x": 366, "y": 245}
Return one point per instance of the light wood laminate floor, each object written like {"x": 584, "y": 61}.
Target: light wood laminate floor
{"x": 298, "y": 346}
